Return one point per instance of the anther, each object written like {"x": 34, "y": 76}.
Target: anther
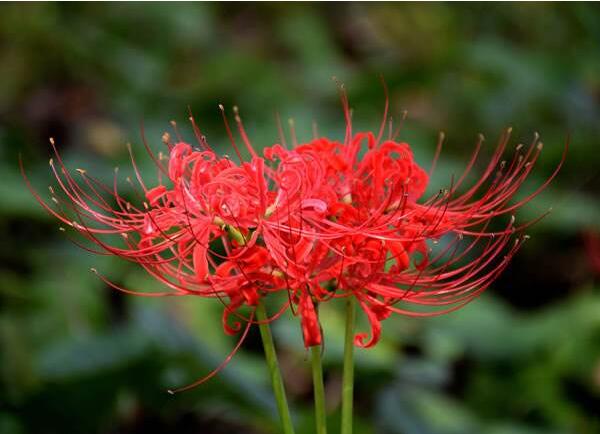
{"x": 93, "y": 270}
{"x": 540, "y": 146}
{"x": 166, "y": 138}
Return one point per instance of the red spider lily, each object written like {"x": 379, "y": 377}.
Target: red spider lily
{"x": 325, "y": 219}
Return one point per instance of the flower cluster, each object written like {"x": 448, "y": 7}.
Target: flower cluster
{"x": 320, "y": 220}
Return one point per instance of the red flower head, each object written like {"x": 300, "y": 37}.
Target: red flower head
{"x": 324, "y": 219}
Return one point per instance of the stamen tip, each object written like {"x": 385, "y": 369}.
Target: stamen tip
{"x": 170, "y": 392}
{"x": 93, "y": 270}
{"x": 540, "y": 146}
{"x": 51, "y": 139}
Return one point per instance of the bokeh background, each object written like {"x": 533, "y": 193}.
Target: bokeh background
{"x": 76, "y": 357}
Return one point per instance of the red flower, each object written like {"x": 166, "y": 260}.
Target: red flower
{"x": 354, "y": 226}
{"x": 325, "y": 219}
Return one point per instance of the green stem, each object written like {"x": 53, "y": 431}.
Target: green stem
{"x": 348, "y": 375}
{"x": 319, "y": 390}
{"x": 273, "y": 365}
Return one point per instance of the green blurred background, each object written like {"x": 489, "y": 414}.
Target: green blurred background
{"x": 76, "y": 357}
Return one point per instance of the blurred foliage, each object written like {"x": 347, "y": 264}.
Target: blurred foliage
{"x": 76, "y": 357}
